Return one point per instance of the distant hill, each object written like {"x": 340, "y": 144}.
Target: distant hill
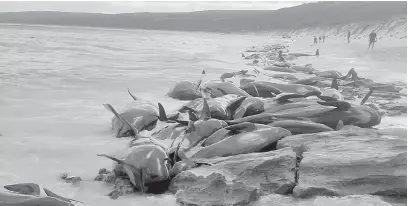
{"x": 298, "y": 17}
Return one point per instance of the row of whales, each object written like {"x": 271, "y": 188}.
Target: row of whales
{"x": 226, "y": 120}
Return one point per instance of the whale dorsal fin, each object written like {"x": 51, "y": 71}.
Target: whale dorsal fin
{"x": 334, "y": 84}
{"x": 284, "y": 97}
{"x": 205, "y": 113}
{"x": 201, "y": 79}
{"x": 190, "y": 128}
{"x": 340, "y": 125}
{"x": 162, "y": 113}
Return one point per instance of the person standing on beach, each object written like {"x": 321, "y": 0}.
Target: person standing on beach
{"x": 315, "y": 40}
{"x": 348, "y": 37}
{"x": 320, "y": 39}
{"x": 323, "y": 37}
{"x": 372, "y": 39}
{"x": 280, "y": 56}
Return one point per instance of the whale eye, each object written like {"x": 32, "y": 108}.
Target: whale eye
{"x": 128, "y": 133}
{"x": 168, "y": 163}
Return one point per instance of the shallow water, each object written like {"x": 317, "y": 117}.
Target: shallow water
{"x": 54, "y": 80}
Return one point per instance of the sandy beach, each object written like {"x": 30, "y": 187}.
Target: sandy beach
{"x": 52, "y": 119}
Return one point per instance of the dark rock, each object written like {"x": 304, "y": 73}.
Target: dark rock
{"x": 213, "y": 190}
{"x": 392, "y": 113}
{"x": 255, "y": 173}
{"x": 352, "y": 161}
{"x": 396, "y": 106}
{"x": 121, "y": 185}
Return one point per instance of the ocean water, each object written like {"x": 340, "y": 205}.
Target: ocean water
{"x": 54, "y": 80}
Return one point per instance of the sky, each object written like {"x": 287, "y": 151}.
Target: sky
{"x": 112, "y": 7}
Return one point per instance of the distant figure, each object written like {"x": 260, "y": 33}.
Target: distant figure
{"x": 315, "y": 40}
{"x": 372, "y": 38}
{"x": 320, "y": 39}
{"x": 255, "y": 62}
{"x": 323, "y": 37}
{"x": 348, "y": 37}
{"x": 280, "y": 56}
{"x": 317, "y": 52}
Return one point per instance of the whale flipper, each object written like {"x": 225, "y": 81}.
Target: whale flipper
{"x": 284, "y": 97}
{"x": 245, "y": 126}
{"x": 135, "y": 131}
{"x": 25, "y": 188}
{"x": 190, "y": 128}
{"x": 222, "y": 91}
{"x": 133, "y": 96}
{"x": 342, "y": 105}
{"x": 364, "y": 100}
{"x": 111, "y": 109}
{"x": 174, "y": 117}
{"x": 313, "y": 93}
{"x": 51, "y": 194}
{"x": 256, "y": 90}
{"x": 327, "y": 98}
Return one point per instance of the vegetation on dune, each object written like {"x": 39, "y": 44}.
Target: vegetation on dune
{"x": 298, "y": 17}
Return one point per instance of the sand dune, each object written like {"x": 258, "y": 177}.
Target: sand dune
{"x": 311, "y": 15}
{"x": 394, "y": 27}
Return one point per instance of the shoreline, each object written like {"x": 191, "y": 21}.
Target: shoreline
{"x": 92, "y": 192}
{"x": 394, "y": 27}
